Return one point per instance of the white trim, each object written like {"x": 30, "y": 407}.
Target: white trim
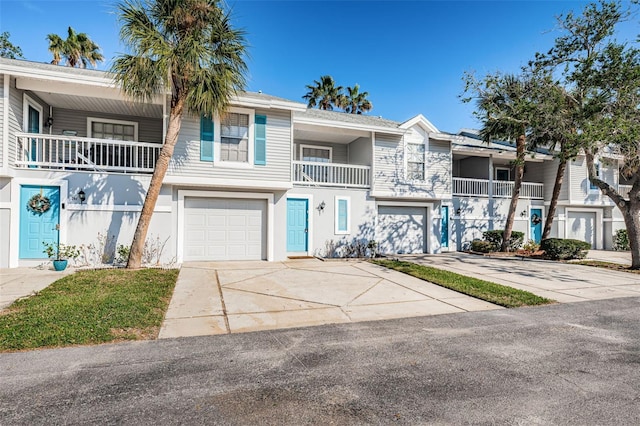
{"x": 26, "y": 102}
{"x": 344, "y": 125}
{"x": 14, "y": 235}
{"x": 5, "y": 205}
{"x": 320, "y": 147}
{"x": 115, "y": 208}
{"x": 111, "y": 121}
{"x": 5, "y": 121}
{"x": 228, "y": 183}
{"x": 372, "y": 176}
{"x": 598, "y": 223}
{"x": 421, "y": 121}
{"x": 336, "y": 226}
{"x": 269, "y": 198}
{"x": 310, "y": 209}
{"x": 217, "y": 140}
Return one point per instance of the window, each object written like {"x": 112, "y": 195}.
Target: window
{"x": 234, "y": 137}
{"x": 118, "y": 130}
{"x": 343, "y": 215}
{"x": 316, "y": 154}
{"x": 592, "y": 187}
{"x": 415, "y": 161}
{"x": 502, "y": 174}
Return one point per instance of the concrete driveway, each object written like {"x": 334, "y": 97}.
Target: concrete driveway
{"x": 230, "y": 297}
{"x": 563, "y": 282}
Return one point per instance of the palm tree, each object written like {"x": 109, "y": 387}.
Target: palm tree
{"x": 505, "y": 109}
{"x": 355, "y": 102}
{"x": 324, "y": 93}
{"x": 77, "y": 50}
{"x": 190, "y": 48}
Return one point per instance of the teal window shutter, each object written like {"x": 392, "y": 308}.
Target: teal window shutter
{"x": 206, "y": 139}
{"x": 260, "y": 142}
{"x": 342, "y": 215}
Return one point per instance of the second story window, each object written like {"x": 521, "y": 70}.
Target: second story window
{"x": 415, "y": 161}
{"x": 593, "y": 187}
{"x": 234, "y": 138}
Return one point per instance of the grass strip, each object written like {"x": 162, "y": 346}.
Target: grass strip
{"x": 491, "y": 292}
{"x": 90, "y": 307}
{"x": 605, "y": 265}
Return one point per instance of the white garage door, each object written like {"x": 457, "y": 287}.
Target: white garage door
{"x": 402, "y": 230}
{"x": 224, "y": 229}
{"x": 582, "y": 226}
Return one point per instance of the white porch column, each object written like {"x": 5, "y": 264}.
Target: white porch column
{"x": 490, "y": 193}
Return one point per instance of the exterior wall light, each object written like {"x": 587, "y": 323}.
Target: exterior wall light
{"x": 81, "y": 196}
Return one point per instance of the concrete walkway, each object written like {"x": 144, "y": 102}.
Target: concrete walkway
{"x": 16, "y": 283}
{"x": 231, "y": 297}
{"x": 563, "y": 282}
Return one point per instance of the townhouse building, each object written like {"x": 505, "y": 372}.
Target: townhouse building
{"x": 270, "y": 179}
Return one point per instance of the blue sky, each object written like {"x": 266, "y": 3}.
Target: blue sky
{"x": 410, "y": 56}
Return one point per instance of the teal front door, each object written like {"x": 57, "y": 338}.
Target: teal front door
{"x": 536, "y": 225}
{"x": 297, "y": 224}
{"x": 36, "y": 227}
{"x": 444, "y": 227}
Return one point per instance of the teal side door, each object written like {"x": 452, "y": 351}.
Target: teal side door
{"x": 297, "y": 224}
{"x": 444, "y": 227}
{"x": 36, "y": 228}
{"x": 536, "y": 225}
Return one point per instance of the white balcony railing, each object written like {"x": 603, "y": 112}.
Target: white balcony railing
{"x": 41, "y": 151}
{"x": 331, "y": 174}
{"x": 501, "y": 189}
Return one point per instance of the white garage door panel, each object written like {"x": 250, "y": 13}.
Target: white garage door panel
{"x": 224, "y": 229}
{"x": 582, "y": 226}
{"x": 401, "y": 230}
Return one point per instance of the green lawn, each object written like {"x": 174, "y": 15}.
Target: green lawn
{"x": 90, "y": 307}
{"x": 485, "y": 290}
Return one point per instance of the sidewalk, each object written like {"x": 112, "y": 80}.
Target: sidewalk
{"x": 16, "y": 283}
{"x": 563, "y": 282}
{"x": 232, "y": 297}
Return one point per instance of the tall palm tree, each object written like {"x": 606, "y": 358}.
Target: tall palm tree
{"x": 505, "y": 109}
{"x": 324, "y": 93}
{"x": 77, "y": 50}
{"x": 190, "y": 48}
{"x": 354, "y": 102}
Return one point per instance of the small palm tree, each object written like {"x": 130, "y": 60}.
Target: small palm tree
{"x": 77, "y": 50}
{"x": 354, "y": 102}
{"x": 324, "y": 93}
{"x": 190, "y": 48}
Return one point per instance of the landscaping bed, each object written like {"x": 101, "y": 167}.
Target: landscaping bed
{"x": 90, "y": 307}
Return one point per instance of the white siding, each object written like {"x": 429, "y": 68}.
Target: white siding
{"x": 389, "y": 162}
{"x": 186, "y": 157}
{"x": 390, "y": 166}
{"x": 360, "y": 152}
{"x": 439, "y": 167}
{"x": 580, "y": 185}
{"x": 15, "y": 117}
{"x": 2, "y": 123}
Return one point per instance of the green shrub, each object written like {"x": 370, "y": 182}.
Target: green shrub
{"x": 495, "y": 238}
{"x": 531, "y": 246}
{"x": 559, "y": 249}
{"x": 621, "y": 240}
{"x": 482, "y": 246}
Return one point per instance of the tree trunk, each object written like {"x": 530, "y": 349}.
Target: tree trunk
{"x": 140, "y": 236}
{"x": 515, "y": 196}
{"x": 630, "y": 208}
{"x": 557, "y": 186}
{"x": 631, "y": 216}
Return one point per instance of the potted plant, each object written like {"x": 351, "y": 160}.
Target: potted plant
{"x": 60, "y": 253}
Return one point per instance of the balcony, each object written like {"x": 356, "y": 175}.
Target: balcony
{"x": 465, "y": 187}
{"x": 56, "y": 152}
{"x": 331, "y": 174}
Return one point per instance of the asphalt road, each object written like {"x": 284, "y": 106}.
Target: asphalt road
{"x": 563, "y": 364}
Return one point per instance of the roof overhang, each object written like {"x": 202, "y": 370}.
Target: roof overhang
{"x": 351, "y": 126}
{"x": 421, "y": 121}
